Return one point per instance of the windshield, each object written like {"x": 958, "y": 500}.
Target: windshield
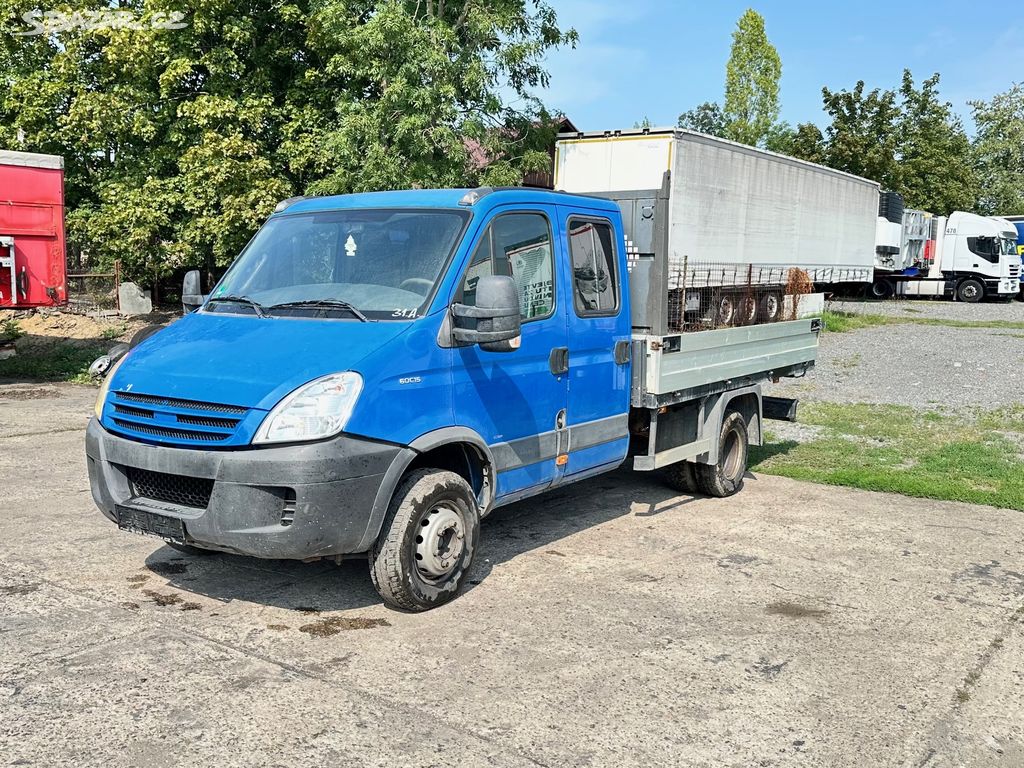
{"x": 1009, "y": 245}
{"x": 384, "y": 263}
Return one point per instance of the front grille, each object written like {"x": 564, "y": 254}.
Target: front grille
{"x": 173, "y": 419}
{"x": 172, "y": 402}
{"x": 181, "y": 490}
{"x": 177, "y": 434}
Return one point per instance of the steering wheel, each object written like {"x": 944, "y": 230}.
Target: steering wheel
{"x": 418, "y": 285}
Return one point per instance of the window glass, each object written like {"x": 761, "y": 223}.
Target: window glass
{"x": 519, "y": 245}
{"x": 595, "y": 288}
{"x": 986, "y": 247}
{"x": 384, "y": 262}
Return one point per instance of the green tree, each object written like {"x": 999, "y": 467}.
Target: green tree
{"x": 937, "y": 170}
{"x": 999, "y": 151}
{"x": 862, "y": 136}
{"x": 178, "y": 143}
{"x": 751, "y": 106}
{"x": 804, "y": 142}
{"x": 706, "y": 118}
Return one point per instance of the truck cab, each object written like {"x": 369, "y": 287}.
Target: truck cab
{"x": 978, "y": 255}
{"x": 377, "y": 372}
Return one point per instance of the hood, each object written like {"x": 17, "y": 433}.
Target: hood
{"x": 245, "y": 360}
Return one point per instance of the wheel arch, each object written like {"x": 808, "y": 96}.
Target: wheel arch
{"x": 747, "y": 401}
{"x": 457, "y": 449}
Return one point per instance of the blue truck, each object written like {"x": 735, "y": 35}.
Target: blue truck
{"x": 376, "y": 373}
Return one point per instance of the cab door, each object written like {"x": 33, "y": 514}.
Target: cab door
{"x": 517, "y": 400}
{"x": 597, "y": 309}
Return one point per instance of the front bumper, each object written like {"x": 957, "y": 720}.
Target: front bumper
{"x": 289, "y": 502}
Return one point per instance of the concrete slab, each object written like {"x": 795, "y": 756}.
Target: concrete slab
{"x": 613, "y": 623}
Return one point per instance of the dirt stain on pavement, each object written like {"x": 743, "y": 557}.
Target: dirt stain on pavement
{"x": 794, "y": 611}
{"x": 18, "y": 589}
{"x": 278, "y": 627}
{"x": 332, "y": 625}
{"x": 162, "y": 599}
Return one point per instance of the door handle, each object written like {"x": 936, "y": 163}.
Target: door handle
{"x": 558, "y": 361}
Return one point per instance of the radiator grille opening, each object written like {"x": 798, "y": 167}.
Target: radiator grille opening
{"x": 181, "y": 490}
{"x": 173, "y": 402}
{"x": 180, "y": 434}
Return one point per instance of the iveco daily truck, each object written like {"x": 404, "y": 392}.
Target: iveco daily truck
{"x": 376, "y": 373}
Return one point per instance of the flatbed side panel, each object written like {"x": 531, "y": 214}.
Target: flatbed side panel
{"x": 728, "y": 354}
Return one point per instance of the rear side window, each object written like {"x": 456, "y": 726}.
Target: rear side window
{"x": 594, "y": 278}
{"x": 519, "y": 245}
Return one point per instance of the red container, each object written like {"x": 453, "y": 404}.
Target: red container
{"x": 32, "y": 263}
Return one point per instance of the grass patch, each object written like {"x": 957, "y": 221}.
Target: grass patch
{"x": 58, "y": 362}
{"x": 843, "y": 322}
{"x": 902, "y": 450}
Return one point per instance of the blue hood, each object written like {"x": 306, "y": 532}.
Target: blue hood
{"x": 245, "y": 360}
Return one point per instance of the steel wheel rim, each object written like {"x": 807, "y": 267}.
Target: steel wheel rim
{"x": 731, "y": 465}
{"x": 970, "y": 291}
{"x": 439, "y": 542}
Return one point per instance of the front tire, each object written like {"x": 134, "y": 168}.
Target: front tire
{"x": 426, "y": 546}
{"x": 725, "y": 477}
{"x": 681, "y": 477}
{"x": 970, "y": 291}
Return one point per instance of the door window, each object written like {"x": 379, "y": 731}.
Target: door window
{"x": 595, "y": 282}
{"x": 986, "y": 247}
{"x": 519, "y": 245}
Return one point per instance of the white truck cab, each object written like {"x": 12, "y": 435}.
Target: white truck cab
{"x": 974, "y": 257}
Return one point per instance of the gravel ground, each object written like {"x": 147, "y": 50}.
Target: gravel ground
{"x": 961, "y": 369}
{"x": 933, "y": 308}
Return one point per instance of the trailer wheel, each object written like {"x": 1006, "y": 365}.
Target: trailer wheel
{"x": 725, "y": 477}
{"x": 426, "y": 545}
{"x": 970, "y": 291}
{"x": 747, "y": 311}
{"x": 681, "y": 476}
{"x": 769, "y": 307}
{"x": 725, "y": 310}
{"x": 882, "y": 289}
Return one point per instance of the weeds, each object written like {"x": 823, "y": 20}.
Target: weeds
{"x": 58, "y": 362}
{"x": 10, "y": 330}
{"x": 842, "y": 322}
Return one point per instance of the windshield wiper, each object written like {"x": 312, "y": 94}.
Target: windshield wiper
{"x": 323, "y": 304}
{"x": 260, "y": 310}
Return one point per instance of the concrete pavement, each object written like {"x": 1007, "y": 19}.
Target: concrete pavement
{"x": 612, "y": 623}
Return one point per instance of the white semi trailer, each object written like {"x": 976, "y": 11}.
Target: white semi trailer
{"x": 714, "y": 205}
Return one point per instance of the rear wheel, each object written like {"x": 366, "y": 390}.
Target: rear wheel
{"x": 725, "y": 477}
{"x": 769, "y": 307}
{"x": 681, "y": 477}
{"x": 882, "y": 289}
{"x": 426, "y": 545}
{"x": 747, "y": 312}
{"x": 970, "y": 291}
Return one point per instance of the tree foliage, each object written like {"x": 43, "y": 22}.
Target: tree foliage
{"x": 706, "y": 118}
{"x": 910, "y": 141}
{"x": 178, "y": 143}
{"x": 751, "y": 106}
{"x": 999, "y": 151}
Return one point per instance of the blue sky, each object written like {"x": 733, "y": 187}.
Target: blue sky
{"x": 656, "y": 59}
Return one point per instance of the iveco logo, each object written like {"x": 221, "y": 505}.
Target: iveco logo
{"x": 410, "y": 380}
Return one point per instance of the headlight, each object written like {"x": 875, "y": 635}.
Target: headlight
{"x": 315, "y": 410}
{"x": 105, "y": 386}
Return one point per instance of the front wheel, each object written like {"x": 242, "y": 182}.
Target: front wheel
{"x": 970, "y": 291}
{"x": 426, "y": 546}
{"x": 725, "y": 477}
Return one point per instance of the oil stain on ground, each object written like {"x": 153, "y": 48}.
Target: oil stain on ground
{"x": 18, "y": 589}
{"x": 168, "y": 569}
{"x": 332, "y": 625}
{"x": 162, "y": 599}
{"x": 794, "y": 611}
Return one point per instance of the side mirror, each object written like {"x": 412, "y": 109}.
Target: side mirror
{"x": 494, "y": 321}
{"x": 191, "y": 292}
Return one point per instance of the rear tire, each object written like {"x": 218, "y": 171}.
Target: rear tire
{"x": 882, "y": 289}
{"x": 426, "y": 545}
{"x": 681, "y": 477}
{"x": 970, "y": 291}
{"x": 725, "y": 477}
{"x": 769, "y": 307}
